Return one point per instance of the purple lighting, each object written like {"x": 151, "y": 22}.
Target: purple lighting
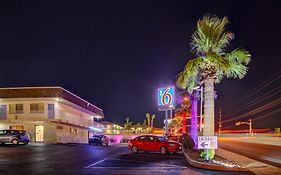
{"x": 193, "y": 129}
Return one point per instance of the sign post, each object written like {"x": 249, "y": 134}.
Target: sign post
{"x": 207, "y": 142}
{"x": 166, "y": 102}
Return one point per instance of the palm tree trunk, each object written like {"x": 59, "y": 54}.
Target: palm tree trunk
{"x": 193, "y": 130}
{"x": 209, "y": 107}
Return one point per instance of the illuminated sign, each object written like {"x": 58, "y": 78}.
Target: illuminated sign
{"x": 166, "y": 98}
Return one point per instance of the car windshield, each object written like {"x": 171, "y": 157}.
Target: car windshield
{"x": 97, "y": 137}
{"x": 3, "y": 132}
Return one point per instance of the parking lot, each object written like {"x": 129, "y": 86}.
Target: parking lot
{"x": 85, "y": 159}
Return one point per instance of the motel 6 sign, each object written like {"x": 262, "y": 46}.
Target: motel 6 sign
{"x": 166, "y": 98}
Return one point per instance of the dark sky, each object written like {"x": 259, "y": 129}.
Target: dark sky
{"x": 116, "y": 54}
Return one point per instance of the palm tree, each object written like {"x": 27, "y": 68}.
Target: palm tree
{"x": 152, "y": 119}
{"x": 128, "y": 123}
{"x": 138, "y": 127}
{"x": 144, "y": 125}
{"x": 148, "y": 120}
{"x": 212, "y": 62}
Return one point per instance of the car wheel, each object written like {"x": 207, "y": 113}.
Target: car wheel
{"x": 163, "y": 150}
{"x": 135, "y": 149}
{"x": 15, "y": 141}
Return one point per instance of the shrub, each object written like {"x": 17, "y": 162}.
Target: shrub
{"x": 203, "y": 154}
{"x": 188, "y": 142}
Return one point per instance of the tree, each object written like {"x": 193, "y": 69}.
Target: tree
{"x": 152, "y": 119}
{"x": 148, "y": 119}
{"x": 128, "y": 123}
{"x": 212, "y": 62}
{"x": 138, "y": 127}
{"x": 144, "y": 124}
{"x": 188, "y": 80}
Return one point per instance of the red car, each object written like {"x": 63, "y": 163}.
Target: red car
{"x": 153, "y": 143}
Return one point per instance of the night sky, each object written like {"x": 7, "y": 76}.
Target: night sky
{"x": 116, "y": 54}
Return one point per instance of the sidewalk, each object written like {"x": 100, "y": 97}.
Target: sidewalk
{"x": 254, "y": 166}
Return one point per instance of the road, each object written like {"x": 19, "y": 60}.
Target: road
{"x": 85, "y": 159}
{"x": 267, "y": 153}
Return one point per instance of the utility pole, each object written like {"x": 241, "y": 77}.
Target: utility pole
{"x": 220, "y": 123}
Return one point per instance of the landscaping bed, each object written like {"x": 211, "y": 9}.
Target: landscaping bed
{"x": 217, "y": 163}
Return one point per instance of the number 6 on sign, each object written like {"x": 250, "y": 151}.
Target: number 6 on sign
{"x": 166, "y": 98}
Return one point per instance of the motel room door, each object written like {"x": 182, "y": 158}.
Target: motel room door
{"x": 39, "y": 133}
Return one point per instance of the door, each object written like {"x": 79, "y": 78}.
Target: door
{"x": 151, "y": 144}
{"x": 39, "y": 133}
{"x": 140, "y": 142}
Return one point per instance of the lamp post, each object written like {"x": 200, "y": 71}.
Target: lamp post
{"x": 200, "y": 88}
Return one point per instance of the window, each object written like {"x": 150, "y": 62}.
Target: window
{"x": 59, "y": 127}
{"x": 3, "y": 132}
{"x": 150, "y": 138}
{"x": 16, "y": 127}
{"x": 142, "y": 138}
{"x": 37, "y": 107}
{"x": 16, "y": 108}
{"x": 73, "y": 131}
{"x": 3, "y": 112}
{"x": 51, "y": 111}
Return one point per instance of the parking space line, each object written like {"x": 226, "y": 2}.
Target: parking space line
{"x": 89, "y": 166}
{"x": 150, "y": 162}
{"x": 160, "y": 165}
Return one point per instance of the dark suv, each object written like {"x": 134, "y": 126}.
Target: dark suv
{"x": 98, "y": 140}
{"x": 14, "y": 136}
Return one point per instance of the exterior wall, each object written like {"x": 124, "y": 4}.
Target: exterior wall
{"x": 73, "y": 116}
{"x": 69, "y": 125}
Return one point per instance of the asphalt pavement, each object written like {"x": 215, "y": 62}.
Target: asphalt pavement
{"x": 266, "y": 153}
{"x": 84, "y": 159}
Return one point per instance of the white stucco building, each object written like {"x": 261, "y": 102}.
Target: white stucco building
{"x": 49, "y": 114}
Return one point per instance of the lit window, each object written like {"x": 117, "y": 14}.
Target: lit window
{"x": 16, "y": 108}
{"x": 37, "y": 107}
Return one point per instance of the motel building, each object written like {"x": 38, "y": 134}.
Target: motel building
{"x": 49, "y": 114}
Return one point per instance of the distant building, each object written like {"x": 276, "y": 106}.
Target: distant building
{"x": 49, "y": 114}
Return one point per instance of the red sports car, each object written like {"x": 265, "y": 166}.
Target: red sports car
{"x": 153, "y": 143}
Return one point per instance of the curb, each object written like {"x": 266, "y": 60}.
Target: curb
{"x": 203, "y": 165}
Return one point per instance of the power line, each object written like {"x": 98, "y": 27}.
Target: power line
{"x": 257, "y": 89}
{"x": 257, "y": 110}
{"x": 263, "y": 98}
{"x": 266, "y": 115}
{"x": 258, "y": 118}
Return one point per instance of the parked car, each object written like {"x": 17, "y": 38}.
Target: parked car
{"x": 98, "y": 140}
{"x": 14, "y": 136}
{"x": 154, "y": 144}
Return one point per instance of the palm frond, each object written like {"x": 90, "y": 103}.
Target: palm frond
{"x": 240, "y": 55}
{"x": 182, "y": 80}
{"x": 188, "y": 78}
{"x": 235, "y": 70}
{"x": 210, "y": 35}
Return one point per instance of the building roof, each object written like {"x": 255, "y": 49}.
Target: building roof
{"x": 47, "y": 92}
{"x": 106, "y": 123}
